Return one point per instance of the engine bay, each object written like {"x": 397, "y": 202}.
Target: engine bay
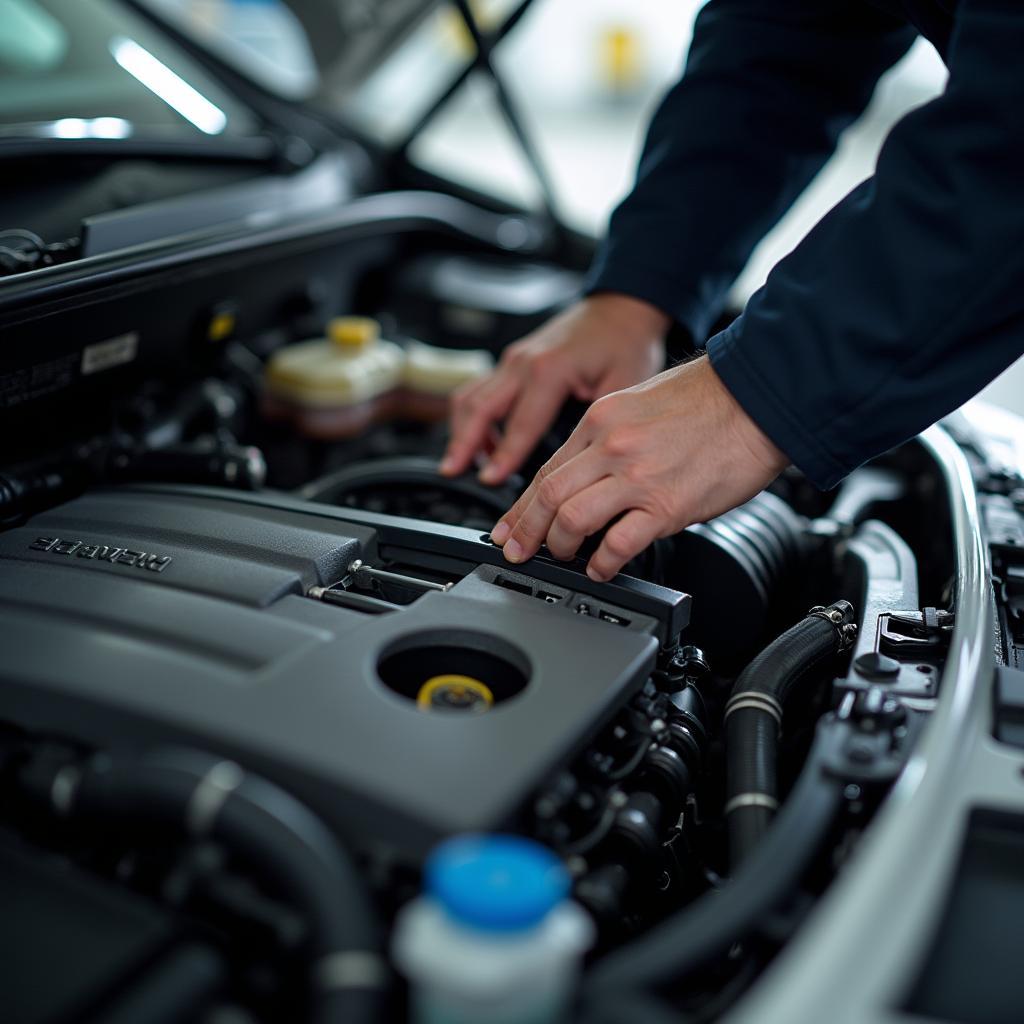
{"x": 254, "y": 675}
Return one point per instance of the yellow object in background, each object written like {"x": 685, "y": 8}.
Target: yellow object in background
{"x": 221, "y": 327}
{"x": 620, "y": 60}
{"x": 458, "y": 38}
{"x": 353, "y": 332}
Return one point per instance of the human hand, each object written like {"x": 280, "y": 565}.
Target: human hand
{"x": 603, "y": 343}
{"x": 676, "y": 450}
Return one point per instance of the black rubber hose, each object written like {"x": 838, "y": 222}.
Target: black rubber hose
{"x": 709, "y": 926}
{"x": 181, "y": 986}
{"x": 754, "y": 719}
{"x": 39, "y": 487}
{"x": 275, "y": 835}
{"x": 634, "y": 1007}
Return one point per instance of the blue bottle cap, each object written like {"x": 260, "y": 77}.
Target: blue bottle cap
{"x": 496, "y": 883}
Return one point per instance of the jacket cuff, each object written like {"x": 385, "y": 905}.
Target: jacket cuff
{"x": 751, "y": 386}
{"x": 608, "y": 274}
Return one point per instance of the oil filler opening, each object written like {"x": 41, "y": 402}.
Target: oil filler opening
{"x": 454, "y": 671}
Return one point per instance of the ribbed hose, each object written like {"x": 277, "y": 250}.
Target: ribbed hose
{"x": 754, "y": 719}
{"x": 275, "y": 835}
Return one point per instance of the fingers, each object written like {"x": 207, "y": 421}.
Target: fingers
{"x": 553, "y": 492}
{"x": 475, "y": 410}
{"x": 530, "y": 419}
{"x": 625, "y": 540}
{"x": 574, "y": 446}
{"x": 585, "y": 513}
{"x": 491, "y": 441}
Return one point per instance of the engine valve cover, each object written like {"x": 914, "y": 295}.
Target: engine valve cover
{"x": 183, "y": 616}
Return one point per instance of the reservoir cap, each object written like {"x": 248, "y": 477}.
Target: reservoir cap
{"x": 496, "y": 883}
{"x": 353, "y": 332}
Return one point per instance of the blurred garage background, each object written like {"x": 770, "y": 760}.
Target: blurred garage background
{"x": 596, "y": 69}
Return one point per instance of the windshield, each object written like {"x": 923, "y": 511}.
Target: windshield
{"x": 93, "y": 69}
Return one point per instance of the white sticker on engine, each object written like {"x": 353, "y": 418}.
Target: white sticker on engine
{"x": 105, "y": 355}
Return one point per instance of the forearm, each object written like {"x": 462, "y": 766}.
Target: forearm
{"x": 635, "y": 318}
{"x": 907, "y": 298}
{"x": 766, "y": 92}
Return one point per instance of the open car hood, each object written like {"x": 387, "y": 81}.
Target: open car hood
{"x": 349, "y": 38}
{"x": 342, "y": 41}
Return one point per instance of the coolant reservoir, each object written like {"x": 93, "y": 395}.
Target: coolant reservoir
{"x": 431, "y": 374}
{"x": 334, "y": 387}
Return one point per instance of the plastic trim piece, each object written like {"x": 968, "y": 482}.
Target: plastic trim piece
{"x": 670, "y": 608}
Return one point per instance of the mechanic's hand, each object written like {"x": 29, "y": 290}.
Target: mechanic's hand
{"x": 603, "y": 343}
{"x": 676, "y": 450}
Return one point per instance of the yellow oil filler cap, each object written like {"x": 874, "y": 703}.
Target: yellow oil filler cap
{"x": 455, "y": 693}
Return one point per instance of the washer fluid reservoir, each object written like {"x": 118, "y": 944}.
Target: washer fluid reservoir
{"x": 495, "y": 939}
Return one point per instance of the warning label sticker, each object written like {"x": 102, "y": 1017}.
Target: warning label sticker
{"x": 105, "y": 355}
{"x": 31, "y": 382}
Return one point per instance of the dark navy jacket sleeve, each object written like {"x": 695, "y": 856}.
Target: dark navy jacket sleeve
{"x": 768, "y": 87}
{"x": 908, "y": 297}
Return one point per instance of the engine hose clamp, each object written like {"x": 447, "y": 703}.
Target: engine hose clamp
{"x": 755, "y": 700}
{"x": 847, "y": 636}
{"x": 350, "y": 968}
{"x": 846, "y": 631}
{"x": 832, "y": 614}
{"x": 742, "y": 800}
{"x": 210, "y": 795}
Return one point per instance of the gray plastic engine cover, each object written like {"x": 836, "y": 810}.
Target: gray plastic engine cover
{"x": 172, "y": 615}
